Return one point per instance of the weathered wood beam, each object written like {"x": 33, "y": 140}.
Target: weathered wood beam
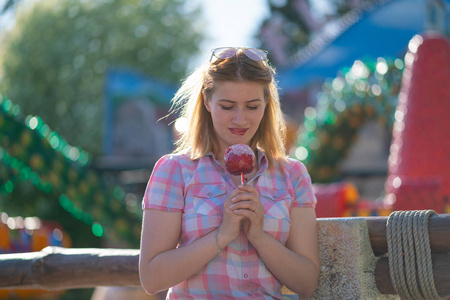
{"x": 56, "y": 268}
{"x": 441, "y": 274}
{"x": 438, "y": 229}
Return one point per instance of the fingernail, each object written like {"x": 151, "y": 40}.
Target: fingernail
{"x": 232, "y": 205}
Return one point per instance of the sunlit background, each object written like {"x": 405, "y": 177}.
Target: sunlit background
{"x": 85, "y": 89}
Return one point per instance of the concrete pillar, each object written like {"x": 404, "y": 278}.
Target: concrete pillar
{"x": 347, "y": 261}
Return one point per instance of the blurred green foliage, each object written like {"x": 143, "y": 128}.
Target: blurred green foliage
{"x": 366, "y": 91}
{"x": 41, "y": 175}
{"x": 53, "y": 63}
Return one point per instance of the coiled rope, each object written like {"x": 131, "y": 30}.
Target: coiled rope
{"x": 410, "y": 254}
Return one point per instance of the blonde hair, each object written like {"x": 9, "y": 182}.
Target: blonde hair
{"x": 200, "y": 137}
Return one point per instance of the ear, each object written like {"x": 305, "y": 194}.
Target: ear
{"x": 206, "y": 102}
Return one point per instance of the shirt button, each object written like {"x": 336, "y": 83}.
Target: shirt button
{"x": 209, "y": 194}
{"x": 274, "y": 197}
{"x": 245, "y": 275}
{"x": 249, "y": 294}
{"x": 243, "y": 251}
{"x": 223, "y": 170}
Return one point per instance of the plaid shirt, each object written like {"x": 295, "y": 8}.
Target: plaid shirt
{"x": 198, "y": 189}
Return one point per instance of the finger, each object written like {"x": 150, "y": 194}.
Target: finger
{"x": 243, "y": 197}
{"x": 230, "y": 215}
{"x": 249, "y": 205}
{"x": 235, "y": 192}
{"x": 244, "y": 193}
{"x": 232, "y": 195}
{"x": 228, "y": 210}
{"x": 245, "y": 204}
{"x": 248, "y": 188}
{"x": 245, "y": 213}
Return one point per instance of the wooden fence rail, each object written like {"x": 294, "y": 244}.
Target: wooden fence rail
{"x": 56, "y": 268}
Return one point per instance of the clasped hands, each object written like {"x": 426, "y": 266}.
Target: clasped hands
{"x": 242, "y": 208}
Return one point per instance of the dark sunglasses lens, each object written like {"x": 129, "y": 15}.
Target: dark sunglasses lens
{"x": 224, "y": 53}
{"x": 255, "y": 54}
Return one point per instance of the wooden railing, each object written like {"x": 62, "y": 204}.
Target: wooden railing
{"x": 56, "y": 268}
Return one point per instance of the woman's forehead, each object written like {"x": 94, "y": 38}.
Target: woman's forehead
{"x": 232, "y": 86}
{"x": 239, "y": 91}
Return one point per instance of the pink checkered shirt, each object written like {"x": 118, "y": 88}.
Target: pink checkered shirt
{"x": 198, "y": 189}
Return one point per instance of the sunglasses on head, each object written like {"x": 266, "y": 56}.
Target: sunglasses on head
{"x": 229, "y": 52}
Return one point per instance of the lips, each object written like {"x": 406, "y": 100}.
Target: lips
{"x": 238, "y": 131}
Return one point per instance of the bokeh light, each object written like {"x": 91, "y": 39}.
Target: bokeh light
{"x": 181, "y": 125}
{"x": 97, "y": 229}
{"x": 301, "y": 153}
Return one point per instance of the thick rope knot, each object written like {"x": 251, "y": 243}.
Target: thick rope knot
{"x": 410, "y": 254}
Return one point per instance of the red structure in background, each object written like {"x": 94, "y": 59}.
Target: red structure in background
{"x": 334, "y": 200}
{"x": 342, "y": 199}
{"x": 419, "y": 161}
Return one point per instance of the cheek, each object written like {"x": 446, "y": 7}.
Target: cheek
{"x": 258, "y": 117}
{"x": 218, "y": 116}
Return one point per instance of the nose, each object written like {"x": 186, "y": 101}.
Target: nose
{"x": 239, "y": 117}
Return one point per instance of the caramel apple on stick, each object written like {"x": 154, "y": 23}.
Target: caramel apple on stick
{"x": 239, "y": 160}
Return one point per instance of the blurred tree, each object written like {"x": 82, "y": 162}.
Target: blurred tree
{"x": 54, "y": 60}
{"x": 292, "y": 24}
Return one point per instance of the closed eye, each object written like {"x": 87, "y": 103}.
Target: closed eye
{"x": 226, "y": 107}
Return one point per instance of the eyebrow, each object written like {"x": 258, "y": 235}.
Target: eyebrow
{"x": 231, "y": 101}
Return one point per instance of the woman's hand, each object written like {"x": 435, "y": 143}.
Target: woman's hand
{"x": 247, "y": 204}
{"x": 231, "y": 222}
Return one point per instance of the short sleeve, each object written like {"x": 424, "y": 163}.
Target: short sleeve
{"x": 165, "y": 188}
{"x": 301, "y": 183}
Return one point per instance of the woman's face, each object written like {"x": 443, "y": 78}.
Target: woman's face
{"x": 237, "y": 109}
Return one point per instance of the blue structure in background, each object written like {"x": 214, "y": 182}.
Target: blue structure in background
{"x": 127, "y": 82}
{"x": 133, "y": 105}
{"x": 381, "y": 31}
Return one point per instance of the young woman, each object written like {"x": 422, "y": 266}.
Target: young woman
{"x": 206, "y": 236}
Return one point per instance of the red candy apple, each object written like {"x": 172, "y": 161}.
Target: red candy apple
{"x": 239, "y": 160}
